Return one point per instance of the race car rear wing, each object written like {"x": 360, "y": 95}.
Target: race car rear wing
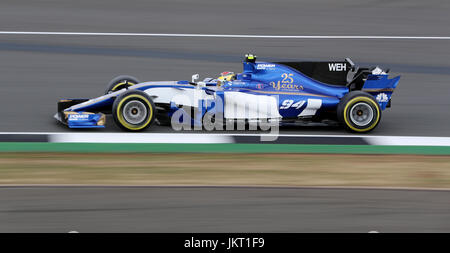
{"x": 381, "y": 87}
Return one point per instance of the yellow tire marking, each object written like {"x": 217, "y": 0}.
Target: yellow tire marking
{"x": 122, "y": 83}
{"x": 361, "y": 99}
{"x": 124, "y": 122}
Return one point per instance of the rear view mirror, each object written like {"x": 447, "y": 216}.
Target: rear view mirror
{"x": 195, "y": 77}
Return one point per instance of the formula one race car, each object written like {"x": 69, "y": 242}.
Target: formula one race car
{"x": 335, "y": 91}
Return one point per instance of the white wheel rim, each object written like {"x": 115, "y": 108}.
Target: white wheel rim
{"x": 135, "y": 112}
{"x": 361, "y": 114}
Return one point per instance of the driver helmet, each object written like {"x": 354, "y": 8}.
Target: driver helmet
{"x": 227, "y": 76}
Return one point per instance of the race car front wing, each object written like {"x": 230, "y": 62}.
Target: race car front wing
{"x": 81, "y": 119}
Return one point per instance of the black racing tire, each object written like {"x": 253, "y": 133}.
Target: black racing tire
{"x": 134, "y": 111}
{"x": 359, "y": 112}
{"x": 120, "y": 82}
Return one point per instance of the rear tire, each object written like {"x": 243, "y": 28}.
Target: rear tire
{"x": 121, "y": 82}
{"x": 359, "y": 112}
{"x": 134, "y": 110}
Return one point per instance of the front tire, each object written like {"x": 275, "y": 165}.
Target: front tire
{"x": 134, "y": 110}
{"x": 359, "y": 112}
{"x": 120, "y": 82}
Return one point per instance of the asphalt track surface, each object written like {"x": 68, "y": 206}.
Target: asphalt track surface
{"x": 36, "y": 71}
{"x": 221, "y": 209}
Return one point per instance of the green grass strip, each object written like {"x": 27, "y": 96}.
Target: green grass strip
{"x": 219, "y": 148}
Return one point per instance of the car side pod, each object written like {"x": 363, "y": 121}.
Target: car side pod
{"x": 82, "y": 119}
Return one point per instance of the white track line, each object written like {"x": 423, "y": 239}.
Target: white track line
{"x": 138, "y": 138}
{"x": 232, "y": 134}
{"x": 229, "y": 35}
{"x": 222, "y": 138}
{"x": 408, "y": 141}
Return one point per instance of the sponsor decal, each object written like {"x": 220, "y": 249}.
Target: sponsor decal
{"x": 259, "y": 86}
{"x": 286, "y": 83}
{"x": 75, "y": 117}
{"x": 285, "y": 86}
{"x": 337, "y": 66}
{"x": 265, "y": 66}
{"x": 382, "y": 97}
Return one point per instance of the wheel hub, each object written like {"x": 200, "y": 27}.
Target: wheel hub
{"x": 361, "y": 114}
{"x": 135, "y": 112}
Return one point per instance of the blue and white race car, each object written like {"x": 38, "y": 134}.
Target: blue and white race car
{"x": 335, "y": 91}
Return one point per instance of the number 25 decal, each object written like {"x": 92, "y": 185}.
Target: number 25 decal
{"x": 287, "y": 78}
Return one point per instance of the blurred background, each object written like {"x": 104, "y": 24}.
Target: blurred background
{"x": 39, "y": 70}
